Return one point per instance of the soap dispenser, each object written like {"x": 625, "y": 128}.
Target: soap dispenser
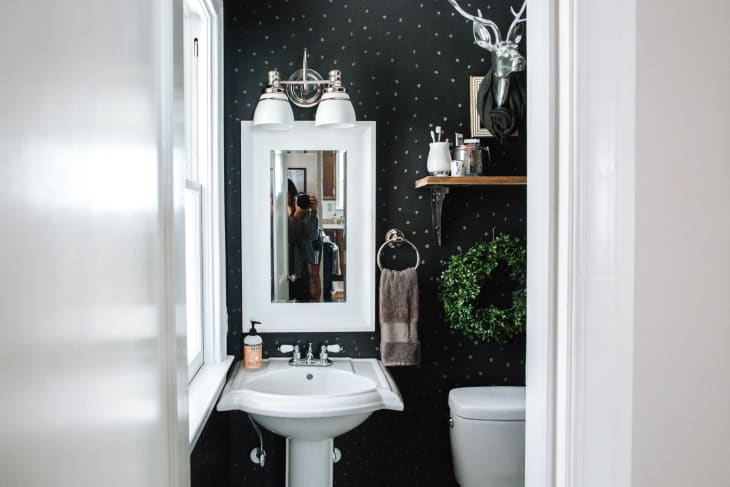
{"x": 253, "y": 348}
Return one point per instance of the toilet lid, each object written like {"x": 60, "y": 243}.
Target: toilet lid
{"x": 495, "y": 403}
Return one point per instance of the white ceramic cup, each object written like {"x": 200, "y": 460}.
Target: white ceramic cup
{"x": 439, "y": 159}
{"x": 457, "y": 167}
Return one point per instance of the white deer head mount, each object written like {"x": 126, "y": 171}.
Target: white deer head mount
{"x": 506, "y": 58}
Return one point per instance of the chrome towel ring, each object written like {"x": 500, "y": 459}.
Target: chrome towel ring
{"x": 393, "y": 238}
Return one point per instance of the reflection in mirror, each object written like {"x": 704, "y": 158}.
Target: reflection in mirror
{"x": 308, "y": 222}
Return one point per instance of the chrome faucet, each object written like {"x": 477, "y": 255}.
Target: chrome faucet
{"x": 310, "y": 354}
{"x": 309, "y": 360}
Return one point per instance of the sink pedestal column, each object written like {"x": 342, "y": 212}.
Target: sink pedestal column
{"x": 309, "y": 462}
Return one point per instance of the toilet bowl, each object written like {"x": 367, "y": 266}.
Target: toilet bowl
{"x": 488, "y": 436}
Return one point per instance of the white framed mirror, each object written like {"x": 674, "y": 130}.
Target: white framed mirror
{"x": 308, "y": 220}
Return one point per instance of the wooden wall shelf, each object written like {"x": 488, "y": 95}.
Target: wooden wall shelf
{"x": 439, "y": 186}
{"x": 471, "y": 181}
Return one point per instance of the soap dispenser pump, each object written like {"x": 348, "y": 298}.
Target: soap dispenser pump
{"x": 253, "y": 348}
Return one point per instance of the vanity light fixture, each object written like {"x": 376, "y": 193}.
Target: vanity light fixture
{"x": 304, "y": 89}
{"x": 273, "y": 111}
{"x": 335, "y": 109}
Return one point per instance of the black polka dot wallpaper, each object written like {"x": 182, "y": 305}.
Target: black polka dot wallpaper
{"x": 406, "y": 65}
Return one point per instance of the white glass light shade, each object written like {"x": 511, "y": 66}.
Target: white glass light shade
{"x": 273, "y": 112}
{"x": 335, "y": 111}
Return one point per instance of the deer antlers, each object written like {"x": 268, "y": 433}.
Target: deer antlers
{"x": 482, "y": 27}
{"x": 517, "y": 20}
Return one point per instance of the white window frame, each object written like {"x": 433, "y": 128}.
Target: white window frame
{"x": 205, "y": 387}
{"x": 197, "y": 361}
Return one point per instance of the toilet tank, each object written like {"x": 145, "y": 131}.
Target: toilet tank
{"x": 488, "y": 436}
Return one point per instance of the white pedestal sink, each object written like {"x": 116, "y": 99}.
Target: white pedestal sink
{"x": 310, "y": 406}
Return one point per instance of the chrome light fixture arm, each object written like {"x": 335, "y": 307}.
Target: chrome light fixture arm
{"x": 305, "y": 78}
{"x": 274, "y": 83}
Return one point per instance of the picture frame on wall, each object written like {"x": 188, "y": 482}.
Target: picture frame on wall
{"x": 477, "y": 127}
{"x": 298, "y": 176}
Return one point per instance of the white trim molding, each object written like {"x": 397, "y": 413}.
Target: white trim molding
{"x": 203, "y": 393}
{"x": 207, "y": 384}
{"x": 215, "y": 278}
{"x": 596, "y": 242}
{"x": 541, "y": 243}
{"x": 171, "y": 212}
{"x": 581, "y": 154}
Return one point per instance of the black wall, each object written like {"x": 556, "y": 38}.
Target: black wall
{"x": 406, "y": 65}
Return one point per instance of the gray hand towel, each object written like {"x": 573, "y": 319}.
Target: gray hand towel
{"x": 399, "y": 343}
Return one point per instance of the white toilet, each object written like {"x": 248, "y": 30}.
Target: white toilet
{"x": 488, "y": 436}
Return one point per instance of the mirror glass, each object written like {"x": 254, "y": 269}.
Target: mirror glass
{"x": 308, "y": 221}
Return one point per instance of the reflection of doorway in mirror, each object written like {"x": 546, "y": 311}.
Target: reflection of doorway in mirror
{"x": 333, "y": 187}
{"x": 334, "y": 170}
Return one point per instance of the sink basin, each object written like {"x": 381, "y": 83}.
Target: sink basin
{"x": 298, "y": 381}
{"x": 311, "y": 402}
{"x": 310, "y": 406}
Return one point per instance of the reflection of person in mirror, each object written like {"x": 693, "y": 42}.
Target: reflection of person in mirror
{"x": 303, "y": 234}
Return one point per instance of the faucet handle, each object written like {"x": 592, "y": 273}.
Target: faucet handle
{"x": 291, "y": 348}
{"x": 324, "y": 352}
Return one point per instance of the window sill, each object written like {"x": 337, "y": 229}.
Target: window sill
{"x": 203, "y": 392}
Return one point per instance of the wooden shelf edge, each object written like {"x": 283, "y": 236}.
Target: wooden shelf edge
{"x": 471, "y": 181}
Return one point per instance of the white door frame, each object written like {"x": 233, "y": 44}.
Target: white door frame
{"x": 580, "y": 227}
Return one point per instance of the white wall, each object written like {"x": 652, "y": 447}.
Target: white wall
{"x": 88, "y": 218}
{"x": 681, "y": 433}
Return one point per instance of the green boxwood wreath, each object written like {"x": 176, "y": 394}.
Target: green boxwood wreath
{"x": 462, "y": 281}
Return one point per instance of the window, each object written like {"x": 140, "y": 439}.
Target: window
{"x": 196, "y": 167}
{"x": 204, "y": 245}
